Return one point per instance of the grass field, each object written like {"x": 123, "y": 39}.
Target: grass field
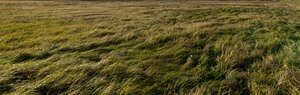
{"x": 149, "y": 48}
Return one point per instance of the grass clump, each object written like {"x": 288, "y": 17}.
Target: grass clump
{"x": 5, "y": 88}
{"x": 28, "y": 56}
{"x": 23, "y": 57}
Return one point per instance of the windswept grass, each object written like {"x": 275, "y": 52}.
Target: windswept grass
{"x": 149, "y": 48}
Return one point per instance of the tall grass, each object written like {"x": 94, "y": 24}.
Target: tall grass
{"x": 149, "y": 48}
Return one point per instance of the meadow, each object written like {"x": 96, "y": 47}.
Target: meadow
{"x": 149, "y": 47}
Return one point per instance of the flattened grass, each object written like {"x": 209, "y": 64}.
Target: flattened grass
{"x": 148, "y": 48}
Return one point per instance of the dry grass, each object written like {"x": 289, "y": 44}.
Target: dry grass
{"x": 149, "y": 47}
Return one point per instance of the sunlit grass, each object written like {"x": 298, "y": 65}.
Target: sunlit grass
{"x": 150, "y": 48}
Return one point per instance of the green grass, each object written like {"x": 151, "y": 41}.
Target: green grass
{"x": 149, "y": 48}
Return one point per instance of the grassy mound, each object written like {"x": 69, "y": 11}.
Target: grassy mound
{"x": 149, "y": 48}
